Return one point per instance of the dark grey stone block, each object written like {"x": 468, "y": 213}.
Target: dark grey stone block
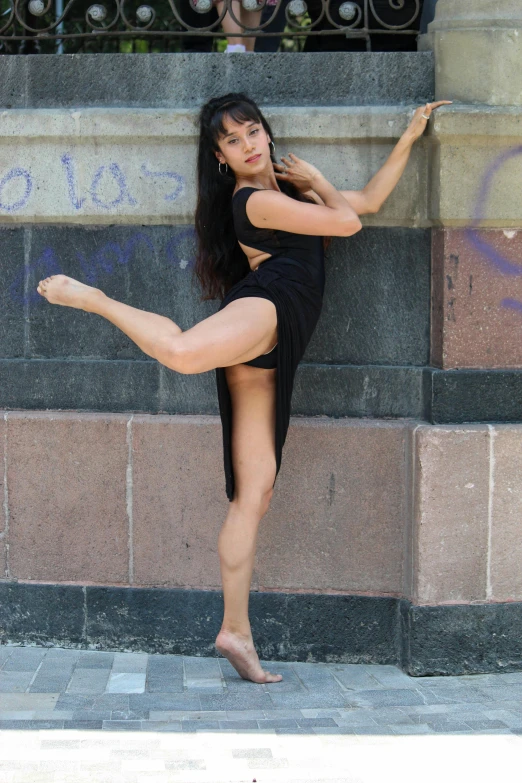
{"x": 349, "y": 629}
{"x": 43, "y": 684}
{"x": 174, "y": 621}
{"x": 476, "y": 395}
{"x": 343, "y": 390}
{"x": 482, "y": 725}
{"x": 381, "y": 698}
{"x": 88, "y": 715}
{"x": 74, "y": 701}
{"x": 198, "y": 725}
{"x": 193, "y": 394}
{"x": 461, "y": 639}
{"x": 41, "y": 613}
{"x": 277, "y": 723}
{"x": 95, "y": 660}
{"x": 12, "y": 277}
{"x": 147, "y": 267}
{"x": 164, "y": 701}
{"x": 244, "y": 700}
{"x": 31, "y": 724}
{"x": 168, "y": 666}
{"x": 121, "y": 725}
{"x": 187, "y": 80}
{"x": 424, "y": 640}
{"x": 47, "y": 384}
{"x": 448, "y": 727}
{"x": 238, "y": 725}
{"x": 308, "y": 723}
{"x": 111, "y": 701}
{"x": 376, "y": 306}
{"x": 24, "y": 659}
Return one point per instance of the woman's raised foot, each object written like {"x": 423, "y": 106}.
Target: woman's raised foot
{"x": 241, "y": 653}
{"x": 63, "y": 290}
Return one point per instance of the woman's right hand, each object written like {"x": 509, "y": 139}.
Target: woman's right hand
{"x": 297, "y": 171}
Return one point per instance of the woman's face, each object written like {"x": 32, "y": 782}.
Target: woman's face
{"x": 244, "y": 146}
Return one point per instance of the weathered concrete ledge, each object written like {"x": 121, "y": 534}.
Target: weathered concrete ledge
{"x": 137, "y": 166}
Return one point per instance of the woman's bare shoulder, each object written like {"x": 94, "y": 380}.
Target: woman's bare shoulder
{"x": 274, "y": 209}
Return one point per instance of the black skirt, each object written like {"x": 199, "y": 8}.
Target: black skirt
{"x": 298, "y": 299}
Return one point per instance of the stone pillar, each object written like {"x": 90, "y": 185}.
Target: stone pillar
{"x": 478, "y": 51}
{"x": 475, "y": 204}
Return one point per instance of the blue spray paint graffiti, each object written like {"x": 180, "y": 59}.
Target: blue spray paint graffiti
{"x": 110, "y": 172}
{"x": 180, "y": 183}
{"x": 14, "y": 174}
{"x": 504, "y": 265}
{"x": 102, "y": 263}
{"x": 117, "y": 174}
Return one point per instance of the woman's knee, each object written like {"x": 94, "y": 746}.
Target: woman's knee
{"x": 181, "y": 358}
{"x": 255, "y": 500}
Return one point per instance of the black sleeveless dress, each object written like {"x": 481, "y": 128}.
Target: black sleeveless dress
{"x": 293, "y": 279}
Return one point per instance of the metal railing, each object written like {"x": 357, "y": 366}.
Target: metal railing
{"x": 49, "y": 24}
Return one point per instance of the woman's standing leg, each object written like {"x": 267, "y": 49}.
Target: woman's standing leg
{"x": 247, "y": 18}
{"x": 252, "y": 391}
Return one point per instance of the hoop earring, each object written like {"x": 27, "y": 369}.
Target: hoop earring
{"x": 226, "y": 169}
{"x": 273, "y": 146}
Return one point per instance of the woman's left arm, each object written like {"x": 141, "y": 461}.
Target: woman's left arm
{"x": 371, "y": 198}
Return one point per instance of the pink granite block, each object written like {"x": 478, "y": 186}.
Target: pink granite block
{"x": 178, "y": 500}
{"x": 67, "y": 505}
{"x": 338, "y": 515}
{"x": 450, "y": 536}
{"x": 476, "y": 298}
{"x": 506, "y": 513}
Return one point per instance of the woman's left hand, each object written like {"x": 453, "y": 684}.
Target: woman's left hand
{"x": 418, "y": 123}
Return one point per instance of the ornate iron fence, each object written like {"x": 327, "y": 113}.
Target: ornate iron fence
{"x": 50, "y": 25}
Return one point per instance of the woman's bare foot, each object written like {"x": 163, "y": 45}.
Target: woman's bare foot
{"x": 241, "y": 653}
{"x": 63, "y": 290}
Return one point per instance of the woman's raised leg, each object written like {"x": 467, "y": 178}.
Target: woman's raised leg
{"x": 252, "y": 390}
{"x": 239, "y": 332}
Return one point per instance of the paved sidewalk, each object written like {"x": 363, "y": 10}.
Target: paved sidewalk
{"x": 194, "y": 719}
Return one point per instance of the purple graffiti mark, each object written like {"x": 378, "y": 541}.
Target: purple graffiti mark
{"x": 131, "y": 243}
{"x": 501, "y": 263}
{"x": 89, "y": 271}
{"x": 173, "y": 248}
{"x": 102, "y": 256}
{"x": 13, "y": 174}
{"x": 99, "y": 263}
{"x": 178, "y": 179}
{"x": 47, "y": 264}
{"x": 114, "y": 170}
{"x": 68, "y": 164}
{"x": 514, "y": 304}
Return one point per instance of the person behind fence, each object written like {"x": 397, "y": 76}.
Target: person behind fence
{"x": 250, "y": 17}
{"x": 260, "y": 226}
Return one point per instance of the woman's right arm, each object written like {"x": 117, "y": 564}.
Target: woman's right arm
{"x": 273, "y": 209}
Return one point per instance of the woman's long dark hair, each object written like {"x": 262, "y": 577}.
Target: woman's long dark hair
{"x": 220, "y": 262}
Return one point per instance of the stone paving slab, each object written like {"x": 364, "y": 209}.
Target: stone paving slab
{"x": 306, "y": 728}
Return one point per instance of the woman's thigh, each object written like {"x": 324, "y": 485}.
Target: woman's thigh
{"x": 239, "y": 332}
{"x": 253, "y": 396}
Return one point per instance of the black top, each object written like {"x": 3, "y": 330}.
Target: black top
{"x": 304, "y": 248}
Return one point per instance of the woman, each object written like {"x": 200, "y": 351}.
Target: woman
{"x": 260, "y": 226}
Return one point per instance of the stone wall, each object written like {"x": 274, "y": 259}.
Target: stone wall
{"x": 392, "y": 535}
